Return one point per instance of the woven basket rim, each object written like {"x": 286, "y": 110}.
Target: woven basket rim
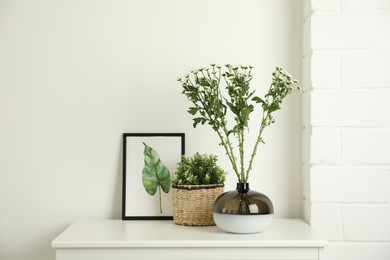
{"x": 197, "y": 187}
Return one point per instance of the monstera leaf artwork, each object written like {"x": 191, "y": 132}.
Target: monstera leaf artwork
{"x": 155, "y": 175}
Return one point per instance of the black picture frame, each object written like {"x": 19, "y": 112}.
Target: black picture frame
{"x": 137, "y": 204}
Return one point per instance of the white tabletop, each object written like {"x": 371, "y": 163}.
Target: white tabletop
{"x": 164, "y": 233}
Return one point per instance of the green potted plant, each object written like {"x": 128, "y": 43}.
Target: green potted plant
{"x": 196, "y": 184}
{"x": 212, "y": 106}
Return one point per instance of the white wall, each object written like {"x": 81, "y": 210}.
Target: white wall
{"x": 346, "y": 140}
{"x": 75, "y": 75}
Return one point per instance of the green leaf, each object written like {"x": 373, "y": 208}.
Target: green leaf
{"x": 193, "y": 110}
{"x": 196, "y": 121}
{"x": 154, "y": 174}
{"x": 204, "y": 82}
{"x": 258, "y": 99}
{"x": 273, "y": 107}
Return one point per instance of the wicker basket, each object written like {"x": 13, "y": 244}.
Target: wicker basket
{"x": 193, "y": 204}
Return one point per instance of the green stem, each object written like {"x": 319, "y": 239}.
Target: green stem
{"x": 258, "y": 140}
{"x": 159, "y": 194}
{"x": 227, "y": 144}
{"x": 241, "y": 148}
{"x": 229, "y": 150}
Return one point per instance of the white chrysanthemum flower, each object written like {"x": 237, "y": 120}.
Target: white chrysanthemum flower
{"x": 178, "y": 79}
{"x": 194, "y": 71}
{"x": 187, "y": 76}
{"x": 212, "y": 64}
{"x": 219, "y": 66}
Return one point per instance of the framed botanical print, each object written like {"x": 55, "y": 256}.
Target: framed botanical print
{"x": 149, "y": 160}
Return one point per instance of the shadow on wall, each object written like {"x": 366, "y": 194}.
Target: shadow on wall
{"x": 117, "y": 203}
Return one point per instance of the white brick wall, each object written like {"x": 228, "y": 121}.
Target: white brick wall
{"x": 348, "y": 107}
{"x": 349, "y": 31}
{"x": 357, "y": 179}
{"x": 366, "y": 146}
{"x": 325, "y": 146}
{"x": 366, "y": 69}
{"x": 327, "y": 219}
{"x": 346, "y": 125}
{"x": 330, "y": 63}
{"x": 366, "y": 5}
{"x": 366, "y": 222}
{"x": 357, "y": 251}
{"x": 329, "y": 5}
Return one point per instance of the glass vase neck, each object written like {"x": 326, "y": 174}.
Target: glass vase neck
{"x": 242, "y": 187}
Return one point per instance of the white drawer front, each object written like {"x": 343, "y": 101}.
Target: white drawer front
{"x": 188, "y": 254}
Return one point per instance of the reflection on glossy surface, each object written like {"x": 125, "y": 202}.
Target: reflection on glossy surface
{"x": 243, "y": 207}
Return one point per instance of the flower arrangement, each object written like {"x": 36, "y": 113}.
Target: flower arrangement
{"x": 202, "y": 88}
{"x": 200, "y": 169}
